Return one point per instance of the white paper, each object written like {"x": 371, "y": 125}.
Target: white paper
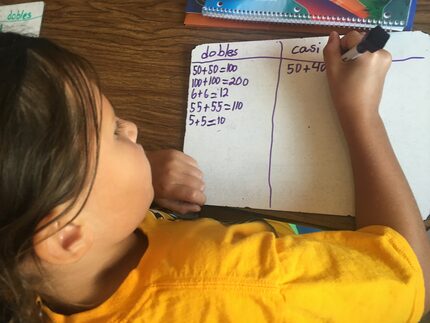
{"x": 301, "y": 162}
{"x": 24, "y": 18}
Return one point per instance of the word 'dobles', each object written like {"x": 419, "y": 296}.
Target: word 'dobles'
{"x": 22, "y": 18}
{"x": 219, "y": 52}
{"x": 19, "y": 15}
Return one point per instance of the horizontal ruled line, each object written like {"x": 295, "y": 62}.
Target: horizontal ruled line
{"x": 290, "y": 59}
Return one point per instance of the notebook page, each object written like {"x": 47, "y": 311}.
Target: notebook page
{"x": 261, "y": 125}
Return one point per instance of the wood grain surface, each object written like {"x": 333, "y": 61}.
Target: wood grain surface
{"x": 141, "y": 50}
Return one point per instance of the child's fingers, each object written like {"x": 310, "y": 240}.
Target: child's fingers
{"x": 192, "y": 182}
{"x": 188, "y": 177}
{"x": 384, "y": 57}
{"x": 192, "y": 171}
{"x": 332, "y": 51}
{"x": 181, "y": 157}
{"x": 178, "y": 206}
{"x": 184, "y": 163}
{"x": 191, "y": 195}
{"x": 350, "y": 40}
{"x": 188, "y": 194}
{"x": 189, "y": 160}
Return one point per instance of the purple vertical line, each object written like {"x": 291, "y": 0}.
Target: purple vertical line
{"x": 273, "y": 126}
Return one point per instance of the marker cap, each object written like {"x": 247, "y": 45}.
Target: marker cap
{"x": 374, "y": 40}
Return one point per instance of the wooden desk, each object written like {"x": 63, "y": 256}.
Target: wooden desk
{"x": 141, "y": 50}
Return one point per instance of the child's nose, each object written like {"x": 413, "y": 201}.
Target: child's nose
{"x": 131, "y": 131}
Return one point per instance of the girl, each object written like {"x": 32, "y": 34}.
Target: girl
{"x": 78, "y": 244}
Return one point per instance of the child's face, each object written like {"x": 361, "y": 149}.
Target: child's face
{"x": 122, "y": 191}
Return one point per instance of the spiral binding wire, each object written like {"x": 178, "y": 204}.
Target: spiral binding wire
{"x": 296, "y": 18}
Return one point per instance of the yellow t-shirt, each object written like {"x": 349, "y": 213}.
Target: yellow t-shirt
{"x": 202, "y": 271}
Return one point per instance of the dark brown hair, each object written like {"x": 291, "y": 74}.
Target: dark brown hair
{"x": 48, "y": 137}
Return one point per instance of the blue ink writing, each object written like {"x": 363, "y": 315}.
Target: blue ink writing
{"x": 213, "y": 69}
{"x": 204, "y": 121}
{"x": 221, "y": 51}
{"x": 304, "y": 49}
{"x": 19, "y": 15}
{"x": 294, "y": 68}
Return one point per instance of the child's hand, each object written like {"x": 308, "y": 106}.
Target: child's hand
{"x": 177, "y": 181}
{"x": 355, "y": 86}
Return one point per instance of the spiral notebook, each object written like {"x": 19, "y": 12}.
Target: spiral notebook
{"x": 390, "y": 14}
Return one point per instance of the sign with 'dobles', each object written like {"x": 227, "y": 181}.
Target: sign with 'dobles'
{"x": 24, "y": 18}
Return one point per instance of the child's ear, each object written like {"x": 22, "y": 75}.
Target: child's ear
{"x": 63, "y": 244}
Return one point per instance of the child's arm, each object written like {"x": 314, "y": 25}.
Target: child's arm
{"x": 177, "y": 181}
{"x": 382, "y": 193}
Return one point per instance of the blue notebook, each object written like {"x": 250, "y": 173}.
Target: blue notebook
{"x": 390, "y": 14}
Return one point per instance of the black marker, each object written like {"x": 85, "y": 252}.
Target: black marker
{"x": 375, "y": 40}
